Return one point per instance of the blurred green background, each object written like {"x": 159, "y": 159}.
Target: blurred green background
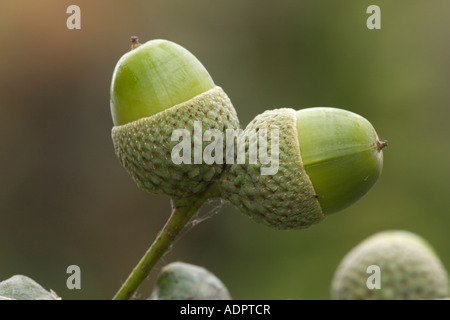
{"x": 65, "y": 199}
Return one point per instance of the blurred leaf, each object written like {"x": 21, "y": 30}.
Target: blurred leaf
{"x": 21, "y": 287}
{"x": 183, "y": 281}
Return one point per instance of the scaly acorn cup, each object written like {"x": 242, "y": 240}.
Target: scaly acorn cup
{"x": 327, "y": 159}
{"x": 407, "y": 267}
{"x": 183, "y": 281}
{"x": 156, "y": 88}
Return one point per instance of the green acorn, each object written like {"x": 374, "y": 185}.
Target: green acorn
{"x": 156, "y": 88}
{"x": 21, "y": 287}
{"x": 408, "y": 269}
{"x": 183, "y": 281}
{"x": 326, "y": 159}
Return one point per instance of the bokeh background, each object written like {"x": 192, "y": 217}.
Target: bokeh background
{"x": 65, "y": 199}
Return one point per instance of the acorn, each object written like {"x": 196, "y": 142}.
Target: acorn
{"x": 156, "y": 88}
{"x": 184, "y": 281}
{"x": 408, "y": 269}
{"x": 323, "y": 160}
{"x": 20, "y": 287}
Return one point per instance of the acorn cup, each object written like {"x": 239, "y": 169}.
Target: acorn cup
{"x": 184, "y": 281}
{"x": 156, "y": 88}
{"x": 406, "y": 265}
{"x": 323, "y": 160}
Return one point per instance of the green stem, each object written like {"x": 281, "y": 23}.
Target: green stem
{"x": 182, "y": 212}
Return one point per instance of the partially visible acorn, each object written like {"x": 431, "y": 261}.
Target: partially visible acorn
{"x": 328, "y": 159}
{"x": 183, "y": 281}
{"x": 409, "y": 269}
{"x": 20, "y": 287}
{"x": 158, "y": 87}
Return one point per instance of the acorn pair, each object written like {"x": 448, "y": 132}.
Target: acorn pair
{"x": 326, "y": 158}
